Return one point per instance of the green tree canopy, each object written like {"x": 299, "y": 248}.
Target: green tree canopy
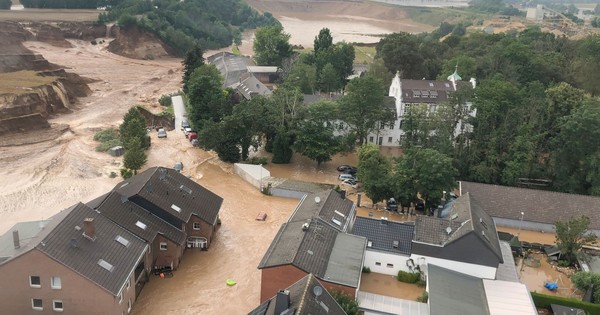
{"x": 135, "y": 156}
{"x": 315, "y": 132}
{"x": 323, "y": 41}
{"x": 271, "y": 46}
{"x": 133, "y": 128}
{"x": 374, "y": 173}
{"x": 193, "y": 59}
{"x": 571, "y": 235}
{"x": 206, "y": 97}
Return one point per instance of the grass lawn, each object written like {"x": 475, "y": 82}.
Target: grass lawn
{"x": 22, "y": 82}
{"x": 364, "y": 54}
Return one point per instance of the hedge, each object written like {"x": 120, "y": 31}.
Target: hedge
{"x": 543, "y": 300}
{"x": 408, "y": 277}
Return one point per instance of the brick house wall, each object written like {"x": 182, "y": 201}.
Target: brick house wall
{"x": 77, "y": 294}
{"x": 173, "y": 250}
{"x": 206, "y": 230}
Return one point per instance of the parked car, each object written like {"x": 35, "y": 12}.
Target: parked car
{"x": 185, "y": 124}
{"x": 192, "y": 135}
{"x": 344, "y": 176}
{"x": 350, "y": 182}
{"x": 391, "y": 205}
{"x": 162, "y": 133}
{"x": 187, "y": 130}
{"x": 347, "y": 169}
{"x": 195, "y": 142}
{"x": 178, "y": 166}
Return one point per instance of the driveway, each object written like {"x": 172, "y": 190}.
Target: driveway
{"x": 179, "y": 110}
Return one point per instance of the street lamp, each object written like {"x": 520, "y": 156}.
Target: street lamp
{"x": 520, "y": 223}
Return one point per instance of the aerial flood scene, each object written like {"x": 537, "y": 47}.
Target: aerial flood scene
{"x": 299, "y": 157}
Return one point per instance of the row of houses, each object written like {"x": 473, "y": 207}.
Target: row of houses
{"x": 95, "y": 258}
{"x": 468, "y": 269}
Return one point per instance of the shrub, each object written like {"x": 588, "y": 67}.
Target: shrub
{"x": 94, "y": 42}
{"x": 105, "y": 146}
{"x": 544, "y": 301}
{"x": 366, "y": 269}
{"x": 106, "y": 135}
{"x": 112, "y": 175}
{"x": 126, "y": 173}
{"x": 127, "y": 21}
{"x": 165, "y": 100}
{"x": 256, "y": 160}
{"x": 408, "y": 277}
{"x": 563, "y": 263}
{"x": 424, "y": 297}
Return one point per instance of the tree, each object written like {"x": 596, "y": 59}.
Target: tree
{"x": 585, "y": 280}
{"x": 135, "y": 156}
{"x": 426, "y": 172}
{"x": 271, "y": 46}
{"x": 206, "y": 98}
{"x": 315, "y": 133}
{"x": 303, "y": 76}
{"x": 133, "y": 128}
{"x": 400, "y": 52}
{"x": 193, "y": 59}
{"x": 282, "y": 147}
{"x": 348, "y": 304}
{"x": 363, "y": 108}
{"x": 571, "y": 235}
{"x": 323, "y": 41}
{"x": 374, "y": 172}
{"x": 330, "y": 79}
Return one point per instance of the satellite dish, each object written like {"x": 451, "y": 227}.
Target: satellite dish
{"x": 448, "y": 230}
{"x": 317, "y": 199}
{"x": 317, "y": 290}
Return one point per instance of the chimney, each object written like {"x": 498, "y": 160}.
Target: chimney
{"x": 89, "y": 230}
{"x": 16, "y": 241}
{"x": 282, "y": 301}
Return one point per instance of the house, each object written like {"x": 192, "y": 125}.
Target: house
{"x": 177, "y": 200}
{"x": 76, "y": 262}
{"x": 452, "y": 292}
{"x": 314, "y": 241}
{"x": 432, "y": 93}
{"x": 532, "y": 209}
{"x": 306, "y": 296}
{"x": 264, "y": 74}
{"x": 301, "y": 248}
{"x": 230, "y": 66}
{"x": 166, "y": 243}
{"x": 240, "y": 74}
{"x": 249, "y": 87}
{"x": 389, "y": 244}
{"x": 465, "y": 241}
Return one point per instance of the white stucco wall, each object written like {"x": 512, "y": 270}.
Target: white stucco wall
{"x": 474, "y": 270}
{"x": 373, "y": 257}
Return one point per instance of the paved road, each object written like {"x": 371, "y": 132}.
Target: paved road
{"x": 179, "y": 110}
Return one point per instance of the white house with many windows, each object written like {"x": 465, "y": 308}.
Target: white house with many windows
{"x": 432, "y": 93}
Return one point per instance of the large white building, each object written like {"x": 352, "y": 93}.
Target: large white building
{"x": 432, "y": 93}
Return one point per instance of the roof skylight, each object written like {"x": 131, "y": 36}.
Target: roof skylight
{"x": 141, "y": 225}
{"x": 176, "y": 208}
{"x": 106, "y": 265}
{"x": 122, "y": 240}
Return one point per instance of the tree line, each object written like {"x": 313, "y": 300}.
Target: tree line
{"x": 183, "y": 24}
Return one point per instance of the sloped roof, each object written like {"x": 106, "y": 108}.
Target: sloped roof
{"x": 381, "y": 234}
{"x": 331, "y": 208}
{"x": 303, "y": 300}
{"x": 171, "y": 190}
{"x": 230, "y": 66}
{"x": 250, "y": 86}
{"x": 67, "y": 245}
{"x": 429, "y": 91}
{"x": 138, "y": 220}
{"x": 455, "y": 293}
{"x": 262, "y": 69}
{"x": 316, "y": 249}
{"x": 464, "y": 217}
{"x": 537, "y": 205}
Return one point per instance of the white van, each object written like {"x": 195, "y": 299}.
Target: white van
{"x": 346, "y": 176}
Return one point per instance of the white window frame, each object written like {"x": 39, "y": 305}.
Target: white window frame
{"x": 163, "y": 245}
{"x": 194, "y": 226}
{"x": 377, "y": 263}
{"x": 128, "y": 306}
{"x": 120, "y": 297}
{"x": 390, "y": 139}
{"x": 37, "y": 308}
{"x": 56, "y": 309}
{"x": 31, "y": 284}
{"x": 53, "y": 283}
{"x": 390, "y": 265}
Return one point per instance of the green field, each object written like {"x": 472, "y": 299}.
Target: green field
{"x": 22, "y": 82}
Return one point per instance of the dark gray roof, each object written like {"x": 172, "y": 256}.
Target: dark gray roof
{"x": 429, "y": 91}
{"x": 303, "y": 300}
{"x": 465, "y": 217}
{"x": 381, "y": 234}
{"x": 331, "y": 208}
{"x": 317, "y": 248}
{"x": 67, "y": 245}
{"x": 537, "y": 205}
{"x": 127, "y": 214}
{"x": 231, "y": 66}
{"x": 171, "y": 190}
{"x": 250, "y": 87}
{"x": 455, "y": 293}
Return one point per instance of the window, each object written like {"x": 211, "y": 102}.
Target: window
{"x": 163, "y": 246}
{"x": 128, "y": 283}
{"x": 120, "y": 297}
{"x": 55, "y": 282}
{"x": 141, "y": 225}
{"x": 377, "y": 264}
{"x": 389, "y": 139}
{"x": 106, "y": 265}
{"x": 390, "y": 265}
{"x": 37, "y": 305}
{"x": 371, "y": 139}
{"x": 392, "y": 124}
{"x": 123, "y": 241}
{"x": 401, "y": 123}
{"x": 35, "y": 281}
{"x": 57, "y": 305}
{"x": 128, "y": 306}
{"x": 175, "y": 207}
{"x": 196, "y": 225}
{"x": 431, "y": 84}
